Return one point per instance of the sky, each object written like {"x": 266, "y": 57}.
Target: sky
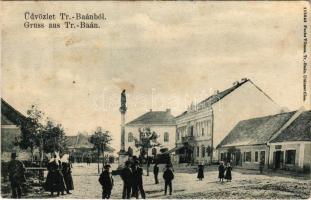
{"x": 165, "y": 54}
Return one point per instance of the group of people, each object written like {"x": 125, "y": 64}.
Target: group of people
{"x": 59, "y": 178}
{"x": 132, "y": 177}
{"x": 224, "y": 171}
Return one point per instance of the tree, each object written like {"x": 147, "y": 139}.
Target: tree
{"x": 31, "y": 129}
{"x": 147, "y": 140}
{"x": 100, "y": 139}
{"x": 53, "y": 137}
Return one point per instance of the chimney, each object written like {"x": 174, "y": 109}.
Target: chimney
{"x": 243, "y": 80}
{"x": 168, "y": 110}
{"x": 150, "y": 110}
{"x": 235, "y": 83}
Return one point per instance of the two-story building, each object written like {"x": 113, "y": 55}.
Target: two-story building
{"x": 161, "y": 122}
{"x": 203, "y": 126}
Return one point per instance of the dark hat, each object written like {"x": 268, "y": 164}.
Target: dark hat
{"x": 107, "y": 166}
{"x": 13, "y": 155}
{"x": 168, "y": 165}
{"x": 136, "y": 162}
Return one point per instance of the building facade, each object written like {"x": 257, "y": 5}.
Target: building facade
{"x": 290, "y": 148}
{"x": 161, "y": 122}
{"x": 281, "y": 141}
{"x": 10, "y": 119}
{"x": 203, "y": 126}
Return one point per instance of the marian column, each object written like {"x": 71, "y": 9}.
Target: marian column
{"x": 122, "y": 153}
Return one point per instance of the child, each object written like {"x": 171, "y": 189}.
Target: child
{"x": 228, "y": 175}
{"x": 221, "y": 170}
{"x": 106, "y": 182}
{"x": 168, "y": 176}
{"x": 200, "y": 172}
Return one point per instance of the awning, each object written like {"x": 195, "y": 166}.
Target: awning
{"x": 177, "y": 149}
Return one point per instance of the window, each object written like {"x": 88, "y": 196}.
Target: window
{"x": 290, "y": 157}
{"x": 198, "y": 151}
{"x": 247, "y": 156}
{"x": 203, "y": 151}
{"x": 130, "y": 137}
{"x": 256, "y": 156}
{"x": 178, "y": 135}
{"x": 166, "y": 137}
{"x": 203, "y": 131}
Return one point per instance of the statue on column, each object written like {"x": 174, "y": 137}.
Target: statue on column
{"x": 123, "y": 102}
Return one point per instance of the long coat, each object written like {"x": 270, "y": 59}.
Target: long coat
{"x": 16, "y": 172}
{"x": 168, "y": 175}
{"x": 54, "y": 180}
{"x": 221, "y": 170}
{"x": 66, "y": 170}
{"x": 201, "y": 171}
{"x": 228, "y": 175}
{"x": 127, "y": 176}
{"x": 106, "y": 180}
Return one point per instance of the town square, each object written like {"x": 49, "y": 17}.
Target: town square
{"x": 152, "y": 103}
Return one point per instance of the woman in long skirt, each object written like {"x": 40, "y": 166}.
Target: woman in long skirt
{"x": 66, "y": 170}
{"x": 54, "y": 180}
{"x": 228, "y": 175}
{"x": 200, "y": 172}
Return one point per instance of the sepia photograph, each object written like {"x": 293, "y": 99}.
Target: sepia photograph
{"x": 155, "y": 100}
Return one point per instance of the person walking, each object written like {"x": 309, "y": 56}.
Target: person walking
{"x": 168, "y": 176}
{"x": 228, "y": 175}
{"x": 106, "y": 182}
{"x": 16, "y": 176}
{"x": 200, "y": 172}
{"x": 221, "y": 171}
{"x": 127, "y": 177}
{"x": 66, "y": 171}
{"x": 156, "y": 173}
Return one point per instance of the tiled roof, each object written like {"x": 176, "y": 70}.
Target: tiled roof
{"x": 81, "y": 141}
{"x": 10, "y": 113}
{"x": 217, "y": 97}
{"x": 154, "y": 118}
{"x": 298, "y": 130}
{"x": 256, "y": 130}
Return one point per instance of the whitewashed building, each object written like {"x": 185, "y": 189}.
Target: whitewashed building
{"x": 203, "y": 126}
{"x": 161, "y": 122}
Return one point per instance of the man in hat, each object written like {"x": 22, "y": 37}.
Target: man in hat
{"x": 168, "y": 176}
{"x": 106, "y": 182}
{"x": 127, "y": 177}
{"x": 16, "y": 176}
{"x": 137, "y": 184}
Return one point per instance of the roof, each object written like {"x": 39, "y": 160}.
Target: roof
{"x": 298, "y": 130}
{"x": 10, "y": 115}
{"x": 255, "y": 131}
{"x": 81, "y": 141}
{"x": 220, "y": 95}
{"x": 154, "y": 118}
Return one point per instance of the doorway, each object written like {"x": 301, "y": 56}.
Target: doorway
{"x": 278, "y": 159}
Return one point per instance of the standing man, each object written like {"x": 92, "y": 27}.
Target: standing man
{"x": 16, "y": 176}
{"x": 137, "y": 181}
{"x": 168, "y": 176}
{"x": 127, "y": 177}
{"x": 106, "y": 182}
{"x": 156, "y": 173}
